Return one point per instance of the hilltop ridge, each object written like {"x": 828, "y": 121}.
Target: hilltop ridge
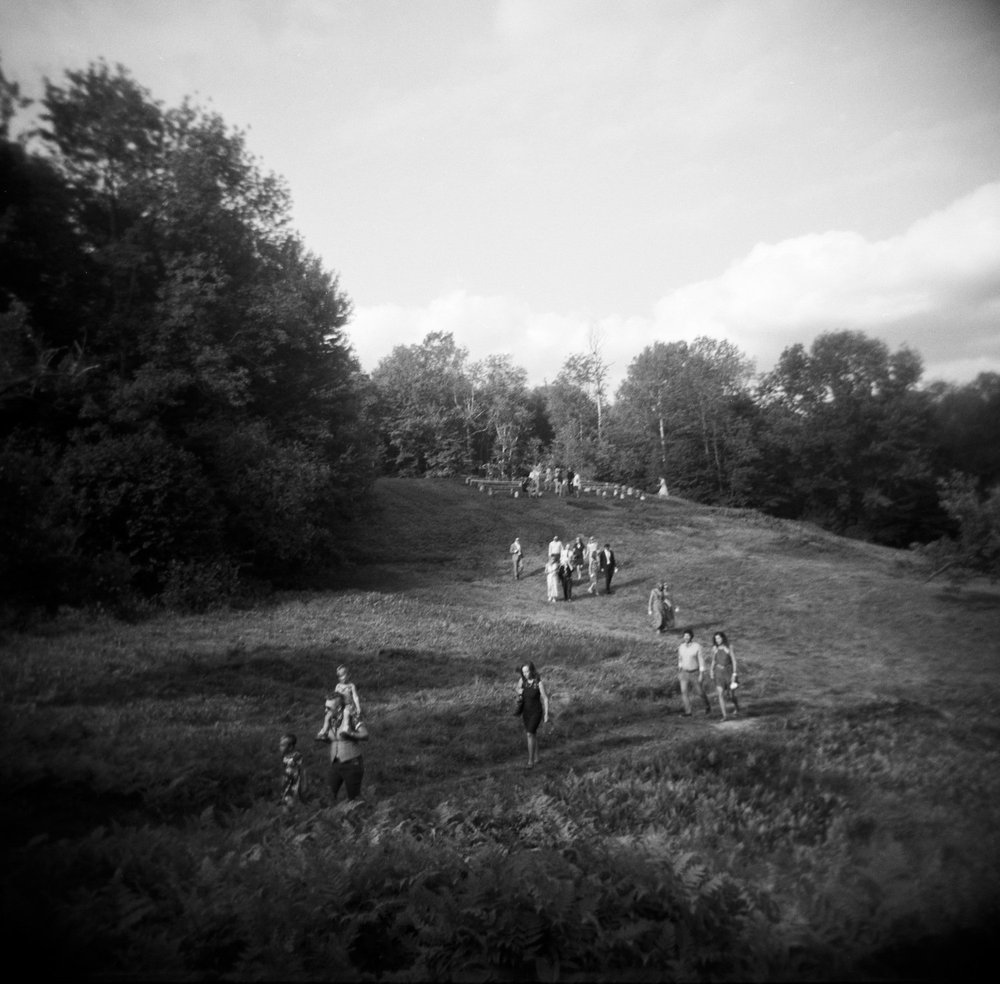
{"x": 828, "y": 615}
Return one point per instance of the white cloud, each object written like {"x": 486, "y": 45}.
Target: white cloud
{"x": 936, "y": 282}
{"x": 942, "y": 273}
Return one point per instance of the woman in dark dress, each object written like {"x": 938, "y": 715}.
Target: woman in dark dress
{"x": 723, "y": 672}
{"x": 534, "y": 708}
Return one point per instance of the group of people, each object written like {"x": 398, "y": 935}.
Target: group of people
{"x": 692, "y": 671}
{"x": 567, "y": 563}
{"x": 344, "y": 731}
{"x": 558, "y": 480}
{"x": 720, "y": 672}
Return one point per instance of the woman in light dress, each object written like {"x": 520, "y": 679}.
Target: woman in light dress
{"x": 552, "y": 578}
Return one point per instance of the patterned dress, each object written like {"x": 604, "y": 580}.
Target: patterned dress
{"x": 293, "y": 788}
{"x": 723, "y": 666}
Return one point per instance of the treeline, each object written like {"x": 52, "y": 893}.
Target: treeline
{"x": 181, "y": 412}
{"x": 840, "y": 433}
{"x": 179, "y": 407}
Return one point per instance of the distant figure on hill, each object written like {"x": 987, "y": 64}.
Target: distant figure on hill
{"x": 548, "y": 479}
{"x": 533, "y": 705}
{"x": 579, "y": 550}
{"x": 347, "y": 765}
{"x": 661, "y": 608}
{"x": 557, "y": 480}
{"x": 516, "y": 557}
{"x": 555, "y": 547}
{"x": 723, "y": 672}
{"x": 552, "y": 579}
{"x": 593, "y": 565}
{"x": 293, "y": 772}
{"x": 608, "y": 566}
{"x": 691, "y": 671}
{"x": 576, "y": 485}
{"x": 662, "y": 491}
{"x": 566, "y": 573}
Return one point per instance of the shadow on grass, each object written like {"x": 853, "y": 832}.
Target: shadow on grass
{"x": 768, "y": 707}
{"x": 269, "y": 672}
{"x": 972, "y": 600}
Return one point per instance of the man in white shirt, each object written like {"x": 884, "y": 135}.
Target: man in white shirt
{"x": 516, "y": 557}
{"x": 691, "y": 671}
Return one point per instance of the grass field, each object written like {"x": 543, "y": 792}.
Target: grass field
{"x": 846, "y": 825}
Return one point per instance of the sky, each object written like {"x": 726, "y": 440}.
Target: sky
{"x": 540, "y": 176}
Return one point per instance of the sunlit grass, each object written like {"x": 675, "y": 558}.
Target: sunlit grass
{"x": 848, "y": 816}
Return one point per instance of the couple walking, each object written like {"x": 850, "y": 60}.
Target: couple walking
{"x": 691, "y": 672}
{"x": 601, "y": 563}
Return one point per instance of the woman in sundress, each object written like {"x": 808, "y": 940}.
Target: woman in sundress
{"x": 534, "y": 707}
{"x": 723, "y": 672}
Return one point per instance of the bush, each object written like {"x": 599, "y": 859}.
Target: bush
{"x": 139, "y": 496}
{"x": 196, "y": 585}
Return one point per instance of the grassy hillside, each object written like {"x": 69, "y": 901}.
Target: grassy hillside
{"x": 844, "y": 825}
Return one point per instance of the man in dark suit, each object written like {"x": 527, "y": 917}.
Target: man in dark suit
{"x": 608, "y": 566}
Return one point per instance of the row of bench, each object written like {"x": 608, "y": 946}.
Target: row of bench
{"x": 519, "y": 487}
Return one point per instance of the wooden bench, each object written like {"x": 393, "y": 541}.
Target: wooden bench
{"x": 496, "y": 486}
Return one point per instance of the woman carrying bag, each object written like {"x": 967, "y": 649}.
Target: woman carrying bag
{"x": 532, "y": 708}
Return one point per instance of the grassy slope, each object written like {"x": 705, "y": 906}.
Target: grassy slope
{"x": 847, "y": 655}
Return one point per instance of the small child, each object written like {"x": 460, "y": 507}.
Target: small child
{"x": 293, "y": 787}
{"x": 349, "y": 692}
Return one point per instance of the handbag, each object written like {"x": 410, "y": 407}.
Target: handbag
{"x": 518, "y": 707}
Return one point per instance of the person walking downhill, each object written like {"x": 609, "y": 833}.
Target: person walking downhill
{"x": 516, "y": 557}
{"x": 578, "y": 552}
{"x": 293, "y": 772}
{"x": 552, "y": 580}
{"x": 661, "y": 608}
{"x": 593, "y": 565}
{"x": 534, "y": 707}
{"x": 608, "y": 566}
{"x": 566, "y": 573}
{"x": 723, "y": 672}
{"x": 347, "y": 765}
{"x": 691, "y": 671}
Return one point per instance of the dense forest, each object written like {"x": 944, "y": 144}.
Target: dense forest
{"x": 181, "y": 411}
{"x": 179, "y": 406}
{"x": 841, "y": 433}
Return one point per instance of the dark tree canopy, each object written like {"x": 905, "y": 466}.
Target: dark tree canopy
{"x": 169, "y": 346}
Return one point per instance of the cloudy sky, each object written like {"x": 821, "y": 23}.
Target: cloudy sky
{"x": 529, "y": 174}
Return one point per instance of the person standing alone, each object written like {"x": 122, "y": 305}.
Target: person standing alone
{"x": 661, "y": 608}
{"x": 533, "y": 707}
{"x": 516, "y": 557}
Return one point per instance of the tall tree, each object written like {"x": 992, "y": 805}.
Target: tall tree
{"x": 429, "y": 406}
{"x": 505, "y": 395}
{"x": 589, "y": 371}
{"x": 572, "y": 413}
{"x": 966, "y": 428}
{"x": 679, "y": 414}
{"x": 167, "y": 304}
{"x": 846, "y": 438}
